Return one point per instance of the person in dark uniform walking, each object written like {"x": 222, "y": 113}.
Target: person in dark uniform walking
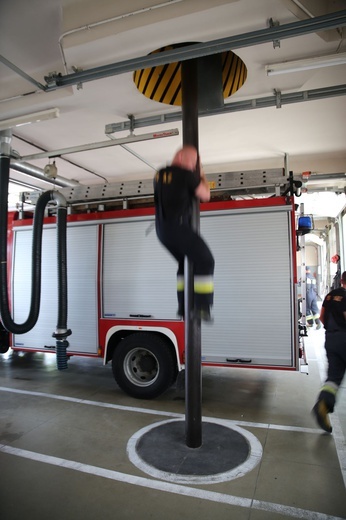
{"x": 312, "y": 311}
{"x": 333, "y": 317}
{"x": 174, "y": 189}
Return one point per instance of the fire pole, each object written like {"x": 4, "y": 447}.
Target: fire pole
{"x": 193, "y": 372}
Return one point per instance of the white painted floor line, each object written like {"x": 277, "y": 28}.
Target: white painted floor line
{"x": 149, "y": 411}
{"x": 339, "y": 440}
{"x": 167, "y": 487}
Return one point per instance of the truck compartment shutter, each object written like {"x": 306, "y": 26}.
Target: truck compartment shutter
{"x": 82, "y": 284}
{"x": 253, "y": 307}
{"x": 139, "y": 275}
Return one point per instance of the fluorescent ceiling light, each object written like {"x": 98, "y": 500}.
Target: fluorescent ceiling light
{"x": 306, "y": 64}
{"x": 51, "y": 113}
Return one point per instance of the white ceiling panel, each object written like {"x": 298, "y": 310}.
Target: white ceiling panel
{"x": 44, "y": 36}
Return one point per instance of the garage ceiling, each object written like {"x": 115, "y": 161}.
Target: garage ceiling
{"x": 41, "y": 37}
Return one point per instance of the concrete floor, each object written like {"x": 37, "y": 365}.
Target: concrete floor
{"x": 64, "y": 437}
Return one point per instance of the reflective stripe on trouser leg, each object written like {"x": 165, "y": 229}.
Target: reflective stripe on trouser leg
{"x": 204, "y": 291}
{"x": 180, "y": 294}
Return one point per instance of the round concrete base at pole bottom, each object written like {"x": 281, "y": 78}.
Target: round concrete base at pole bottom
{"x": 227, "y": 452}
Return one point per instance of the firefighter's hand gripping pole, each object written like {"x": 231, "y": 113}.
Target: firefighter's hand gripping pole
{"x": 7, "y": 321}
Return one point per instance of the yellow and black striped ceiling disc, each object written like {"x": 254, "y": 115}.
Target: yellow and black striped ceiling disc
{"x": 163, "y": 83}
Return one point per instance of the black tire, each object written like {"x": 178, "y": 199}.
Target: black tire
{"x": 144, "y": 365}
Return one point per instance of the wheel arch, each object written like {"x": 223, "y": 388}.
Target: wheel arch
{"x": 117, "y": 333}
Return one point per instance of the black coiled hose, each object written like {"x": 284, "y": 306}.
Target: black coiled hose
{"x": 61, "y": 329}
{"x": 62, "y": 268}
{"x": 61, "y": 332}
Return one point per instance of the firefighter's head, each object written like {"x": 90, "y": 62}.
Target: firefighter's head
{"x": 186, "y": 158}
{"x": 308, "y": 272}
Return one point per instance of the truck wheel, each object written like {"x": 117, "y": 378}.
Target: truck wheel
{"x": 144, "y": 365}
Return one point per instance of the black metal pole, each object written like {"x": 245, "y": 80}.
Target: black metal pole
{"x": 193, "y": 381}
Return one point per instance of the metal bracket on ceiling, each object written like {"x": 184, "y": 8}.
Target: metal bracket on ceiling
{"x": 79, "y": 85}
{"x": 52, "y": 79}
{"x": 132, "y": 123}
{"x": 277, "y": 95}
{"x": 273, "y": 23}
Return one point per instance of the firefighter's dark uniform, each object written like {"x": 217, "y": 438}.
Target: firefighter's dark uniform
{"x": 335, "y": 324}
{"x": 174, "y": 189}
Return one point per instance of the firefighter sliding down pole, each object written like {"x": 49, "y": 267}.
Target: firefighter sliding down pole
{"x": 174, "y": 189}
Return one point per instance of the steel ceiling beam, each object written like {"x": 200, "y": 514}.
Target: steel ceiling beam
{"x": 21, "y": 73}
{"x": 238, "y": 106}
{"x": 279, "y": 32}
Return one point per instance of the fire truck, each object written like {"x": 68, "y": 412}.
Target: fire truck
{"x": 122, "y": 282}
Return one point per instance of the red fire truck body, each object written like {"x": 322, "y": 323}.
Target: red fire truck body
{"x": 122, "y": 299}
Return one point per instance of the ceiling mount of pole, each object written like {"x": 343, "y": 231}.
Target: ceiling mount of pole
{"x": 162, "y": 83}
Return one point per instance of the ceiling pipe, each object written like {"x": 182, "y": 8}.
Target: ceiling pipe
{"x": 84, "y": 168}
{"x": 38, "y": 173}
{"x": 327, "y": 176}
{"x": 24, "y": 184}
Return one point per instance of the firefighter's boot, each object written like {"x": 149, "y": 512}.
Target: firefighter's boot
{"x": 204, "y": 314}
{"x": 318, "y": 324}
{"x": 180, "y": 312}
{"x": 320, "y": 411}
{"x": 325, "y": 405}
